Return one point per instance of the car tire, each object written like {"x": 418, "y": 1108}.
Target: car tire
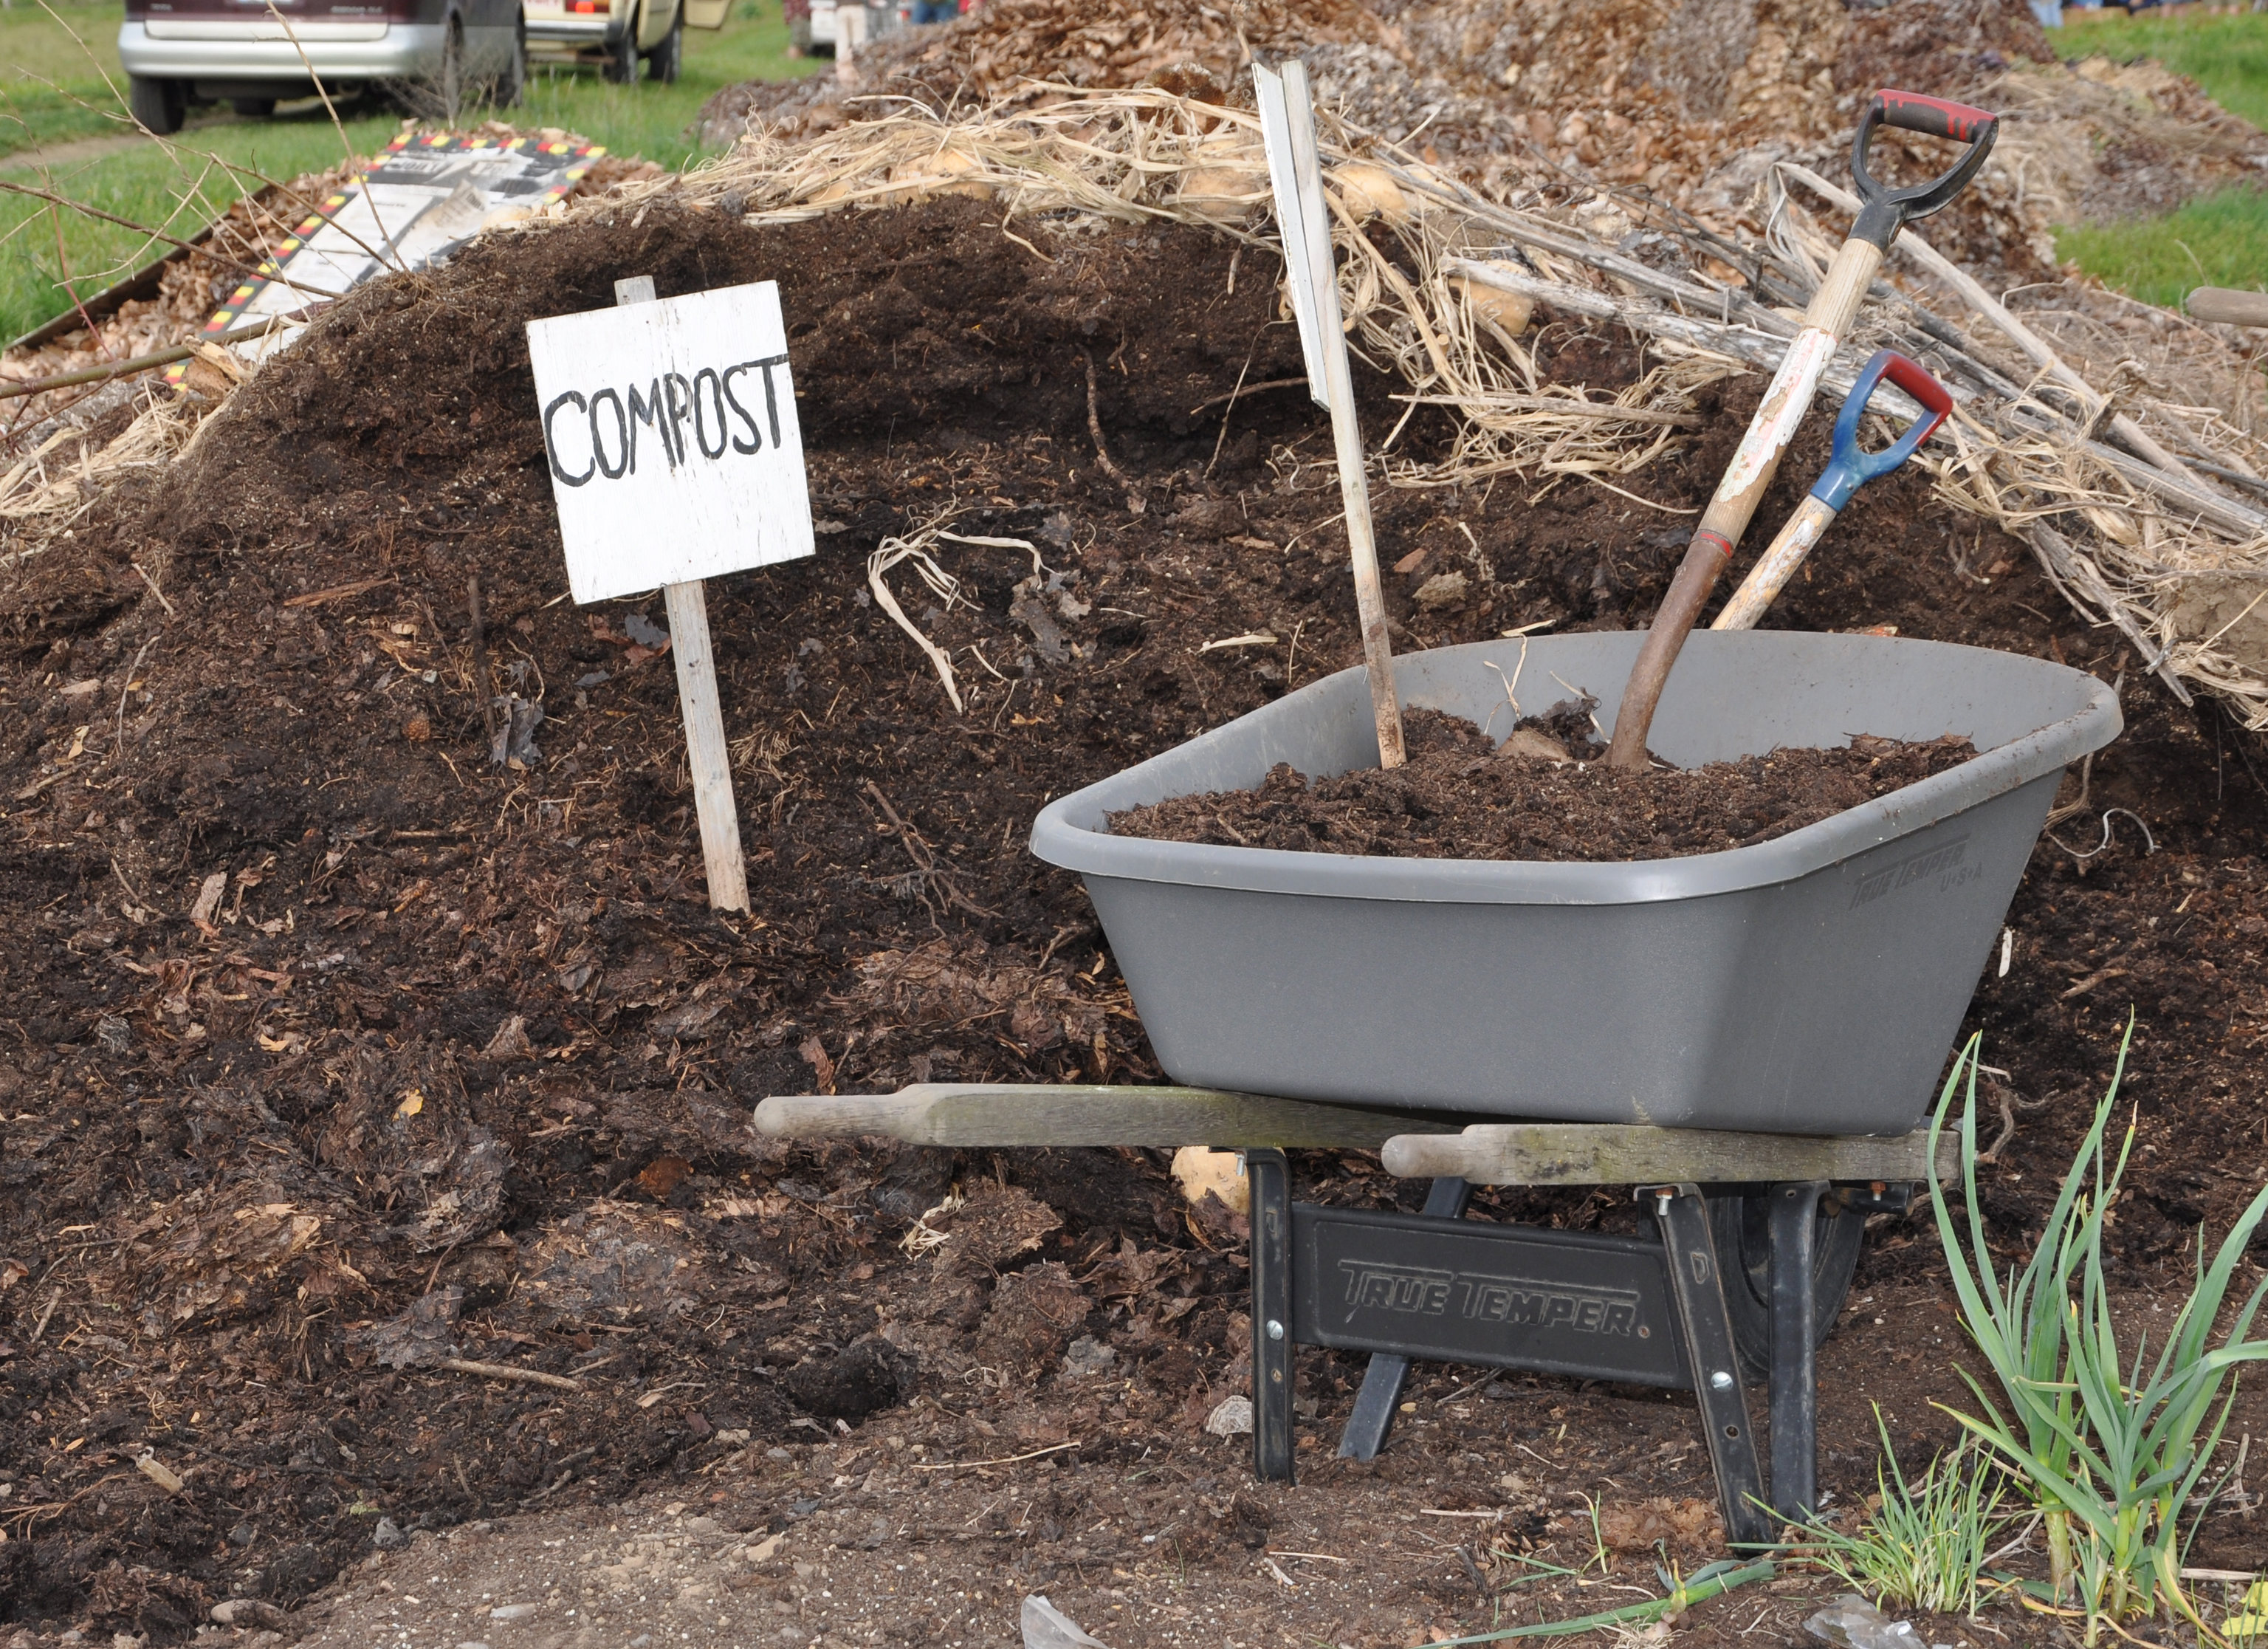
{"x": 252, "y": 108}
{"x": 162, "y": 106}
{"x": 1742, "y": 1229}
{"x": 448, "y": 86}
{"x": 513, "y": 83}
{"x": 663, "y": 63}
{"x": 621, "y": 65}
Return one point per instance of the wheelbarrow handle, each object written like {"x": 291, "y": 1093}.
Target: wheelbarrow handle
{"x": 1885, "y": 211}
{"x": 1849, "y": 467}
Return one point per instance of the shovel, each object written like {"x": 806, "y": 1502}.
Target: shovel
{"x": 1882, "y": 212}
{"x": 1848, "y": 469}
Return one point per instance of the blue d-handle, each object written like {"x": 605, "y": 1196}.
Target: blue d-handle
{"x": 1850, "y": 468}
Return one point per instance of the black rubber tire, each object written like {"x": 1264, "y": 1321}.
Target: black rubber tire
{"x": 508, "y": 90}
{"x": 1740, "y": 1228}
{"x": 252, "y": 108}
{"x": 663, "y": 63}
{"x": 621, "y": 65}
{"x": 160, "y": 105}
{"x": 448, "y": 86}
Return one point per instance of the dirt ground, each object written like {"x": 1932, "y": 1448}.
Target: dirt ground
{"x": 336, "y": 1050}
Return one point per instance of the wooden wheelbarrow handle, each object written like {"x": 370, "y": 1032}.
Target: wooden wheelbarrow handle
{"x": 2237, "y": 309}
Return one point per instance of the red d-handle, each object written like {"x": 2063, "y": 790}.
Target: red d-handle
{"x": 1916, "y": 379}
{"x": 1933, "y": 117}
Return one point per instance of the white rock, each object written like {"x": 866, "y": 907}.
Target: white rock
{"x": 1048, "y": 1627}
{"x": 1232, "y": 1418}
{"x": 512, "y": 1611}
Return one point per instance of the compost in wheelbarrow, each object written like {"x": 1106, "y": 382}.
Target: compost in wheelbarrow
{"x": 1539, "y": 798}
{"x": 1811, "y": 984}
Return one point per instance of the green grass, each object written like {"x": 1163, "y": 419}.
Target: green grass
{"x": 2112, "y": 1442}
{"x": 2227, "y": 55}
{"x": 2218, "y": 239}
{"x": 1926, "y": 1543}
{"x": 63, "y": 129}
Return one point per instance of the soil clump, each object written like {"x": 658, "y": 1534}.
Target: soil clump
{"x": 1541, "y": 796}
{"x": 336, "y": 1054}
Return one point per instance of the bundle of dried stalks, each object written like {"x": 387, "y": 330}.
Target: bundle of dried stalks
{"x": 2146, "y": 510}
{"x": 1150, "y": 154}
{"x": 48, "y": 489}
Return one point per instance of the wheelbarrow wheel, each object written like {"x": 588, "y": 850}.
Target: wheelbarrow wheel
{"x": 1741, "y": 1227}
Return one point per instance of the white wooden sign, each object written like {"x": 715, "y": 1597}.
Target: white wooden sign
{"x": 1303, "y": 217}
{"x": 670, "y": 430}
{"x": 1304, "y": 226}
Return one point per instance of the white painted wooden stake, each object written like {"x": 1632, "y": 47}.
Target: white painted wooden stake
{"x": 1287, "y": 126}
{"x": 706, "y": 757}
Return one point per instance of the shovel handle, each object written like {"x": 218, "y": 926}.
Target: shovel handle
{"x": 1882, "y": 212}
{"x": 1850, "y": 468}
{"x": 1847, "y": 470}
{"x": 1885, "y": 211}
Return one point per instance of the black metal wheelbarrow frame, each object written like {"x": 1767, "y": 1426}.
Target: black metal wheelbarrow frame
{"x": 1438, "y": 1287}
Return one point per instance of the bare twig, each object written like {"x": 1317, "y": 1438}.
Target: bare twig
{"x": 924, "y": 861}
{"x": 96, "y": 212}
{"x": 118, "y": 744}
{"x": 338, "y": 126}
{"x": 157, "y": 358}
{"x": 1134, "y": 502}
{"x": 40, "y": 1328}
{"x": 506, "y": 1372}
{"x": 1005, "y": 1459}
{"x": 482, "y": 690}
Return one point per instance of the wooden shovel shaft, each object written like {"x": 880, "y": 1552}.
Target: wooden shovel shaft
{"x": 1775, "y": 566}
{"x": 1750, "y": 473}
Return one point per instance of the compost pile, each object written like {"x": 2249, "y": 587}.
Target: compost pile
{"x": 1541, "y": 793}
{"x": 1685, "y": 101}
{"x": 344, "y": 1057}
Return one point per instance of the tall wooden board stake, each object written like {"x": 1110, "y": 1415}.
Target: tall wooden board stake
{"x": 706, "y": 756}
{"x": 1287, "y": 126}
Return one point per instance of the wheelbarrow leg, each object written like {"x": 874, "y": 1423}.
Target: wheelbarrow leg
{"x": 1698, "y": 1287}
{"x": 1795, "y": 1359}
{"x": 1381, "y": 1383}
{"x": 1268, "y": 1173}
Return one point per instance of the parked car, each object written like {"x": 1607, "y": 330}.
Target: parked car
{"x": 617, "y": 34}
{"x": 180, "y": 53}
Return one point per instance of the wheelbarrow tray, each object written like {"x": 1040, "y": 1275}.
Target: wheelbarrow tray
{"x": 1811, "y": 984}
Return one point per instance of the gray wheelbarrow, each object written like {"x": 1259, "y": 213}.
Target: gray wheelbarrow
{"x": 1749, "y": 1037}
{"x": 1808, "y": 984}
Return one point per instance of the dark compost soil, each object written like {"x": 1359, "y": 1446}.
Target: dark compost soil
{"x": 1463, "y": 795}
{"x": 454, "y": 1059}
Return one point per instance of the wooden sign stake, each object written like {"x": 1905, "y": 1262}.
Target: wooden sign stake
{"x": 706, "y": 756}
{"x": 1287, "y": 124}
